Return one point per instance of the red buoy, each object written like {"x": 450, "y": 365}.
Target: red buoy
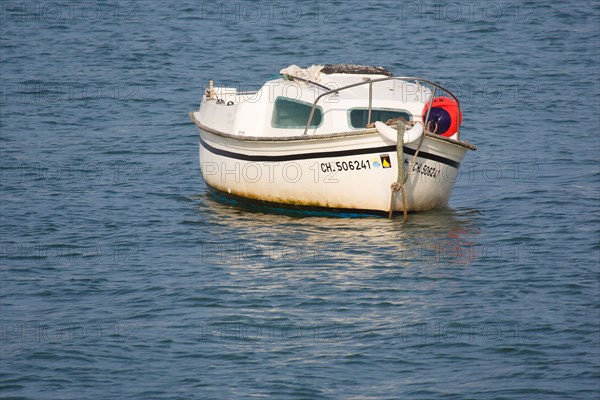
{"x": 443, "y": 116}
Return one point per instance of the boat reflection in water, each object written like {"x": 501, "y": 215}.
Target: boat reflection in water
{"x": 251, "y": 234}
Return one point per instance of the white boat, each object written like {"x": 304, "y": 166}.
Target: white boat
{"x": 318, "y": 137}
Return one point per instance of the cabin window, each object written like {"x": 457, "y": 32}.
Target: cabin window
{"x": 359, "y": 117}
{"x": 290, "y": 113}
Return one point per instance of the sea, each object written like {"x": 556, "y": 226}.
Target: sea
{"x": 122, "y": 277}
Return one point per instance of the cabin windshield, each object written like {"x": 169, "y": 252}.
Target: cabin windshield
{"x": 290, "y": 113}
{"x": 359, "y": 117}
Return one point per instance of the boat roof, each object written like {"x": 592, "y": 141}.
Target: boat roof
{"x": 354, "y": 69}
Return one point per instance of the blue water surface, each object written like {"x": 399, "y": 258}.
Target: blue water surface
{"x": 122, "y": 277}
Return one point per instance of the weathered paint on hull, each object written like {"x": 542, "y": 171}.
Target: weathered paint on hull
{"x": 355, "y": 176}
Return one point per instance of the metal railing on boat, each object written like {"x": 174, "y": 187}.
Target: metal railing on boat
{"x": 370, "y": 82}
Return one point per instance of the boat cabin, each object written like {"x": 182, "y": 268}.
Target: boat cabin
{"x": 282, "y": 106}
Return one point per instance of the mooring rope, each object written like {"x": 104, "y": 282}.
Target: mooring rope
{"x": 401, "y": 178}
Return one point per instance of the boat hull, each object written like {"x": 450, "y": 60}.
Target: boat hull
{"x": 345, "y": 172}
